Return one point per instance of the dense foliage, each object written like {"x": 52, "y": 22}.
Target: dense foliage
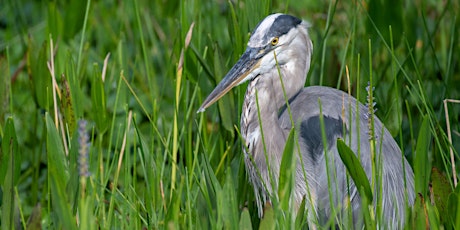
{"x": 98, "y": 103}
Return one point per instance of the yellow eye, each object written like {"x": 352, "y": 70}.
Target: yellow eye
{"x": 275, "y": 41}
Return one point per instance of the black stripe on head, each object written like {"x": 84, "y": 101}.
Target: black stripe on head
{"x": 274, "y": 25}
{"x": 310, "y": 131}
{"x": 282, "y": 25}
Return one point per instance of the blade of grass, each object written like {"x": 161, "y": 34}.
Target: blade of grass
{"x": 422, "y": 165}
{"x": 268, "y": 221}
{"x": 98, "y": 99}
{"x": 301, "y": 220}
{"x": 83, "y": 36}
{"x": 287, "y": 172}
{"x": 117, "y": 172}
{"x": 245, "y": 220}
{"x": 355, "y": 169}
{"x": 9, "y": 173}
{"x": 453, "y": 216}
{"x": 58, "y": 176}
{"x": 329, "y": 163}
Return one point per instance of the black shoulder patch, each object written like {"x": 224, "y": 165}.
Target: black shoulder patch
{"x": 310, "y": 131}
{"x": 282, "y": 25}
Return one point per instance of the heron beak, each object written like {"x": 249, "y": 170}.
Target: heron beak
{"x": 249, "y": 61}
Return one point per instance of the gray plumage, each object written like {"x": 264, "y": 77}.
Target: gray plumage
{"x": 286, "y": 38}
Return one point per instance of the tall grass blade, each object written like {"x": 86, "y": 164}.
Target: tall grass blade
{"x": 268, "y": 221}
{"x": 83, "y": 35}
{"x": 9, "y": 173}
{"x": 433, "y": 217}
{"x": 228, "y": 204}
{"x": 176, "y": 170}
{"x": 73, "y": 18}
{"x": 226, "y": 105}
{"x": 419, "y": 214}
{"x": 58, "y": 175}
{"x": 440, "y": 192}
{"x": 40, "y": 75}
{"x": 5, "y": 90}
{"x": 67, "y": 106}
{"x": 245, "y": 220}
{"x": 369, "y": 221}
{"x": 147, "y": 165}
{"x": 35, "y": 219}
{"x": 300, "y": 221}
{"x": 287, "y": 173}
{"x": 422, "y": 164}
{"x": 454, "y": 209}
{"x": 355, "y": 169}
{"x": 98, "y": 99}
{"x": 54, "y": 21}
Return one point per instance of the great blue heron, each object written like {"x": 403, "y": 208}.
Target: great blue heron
{"x": 279, "y": 52}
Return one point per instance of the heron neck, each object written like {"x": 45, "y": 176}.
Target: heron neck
{"x": 261, "y": 130}
{"x": 260, "y": 117}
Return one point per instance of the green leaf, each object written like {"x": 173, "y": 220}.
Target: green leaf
{"x": 368, "y": 221}
{"x": 5, "y": 86}
{"x": 203, "y": 63}
{"x": 99, "y": 101}
{"x": 74, "y": 18}
{"x": 245, "y": 220}
{"x": 9, "y": 149}
{"x": 228, "y": 204}
{"x": 78, "y": 98}
{"x": 301, "y": 219}
{"x": 41, "y": 79}
{"x": 34, "y": 221}
{"x": 58, "y": 175}
{"x": 86, "y": 217}
{"x": 433, "y": 217}
{"x": 287, "y": 172}
{"x": 354, "y": 169}
{"x": 234, "y": 30}
{"x": 422, "y": 160}
{"x": 174, "y": 212}
{"x": 55, "y": 151}
{"x": 419, "y": 215}
{"x": 73, "y": 184}
{"x": 9, "y": 173}
{"x": 67, "y": 106}
{"x": 392, "y": 122}
{"x": 454, "y": 210}
{"x": 209, "y": 185}
{"x": 55, "y": 21}
{"x": 440, "y": 193}
{"x": 268, "y": 221}
{"x": 226, "y": 104}
{"x": 152, "y": 195}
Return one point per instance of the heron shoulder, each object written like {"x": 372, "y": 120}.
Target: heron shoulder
{"x": 313, "y": 100}
{"x": 306, "y": 107}
{"x": 311, "y": 132}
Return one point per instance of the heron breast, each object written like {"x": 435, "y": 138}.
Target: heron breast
{"x": 251, "y": 139}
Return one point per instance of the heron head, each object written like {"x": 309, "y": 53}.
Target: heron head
{"x": 274, "y": 41}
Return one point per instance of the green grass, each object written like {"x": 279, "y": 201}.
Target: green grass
{"x": 120, "y": 145}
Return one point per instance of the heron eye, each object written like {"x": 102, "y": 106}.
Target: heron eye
{"x": 275, "y": 41}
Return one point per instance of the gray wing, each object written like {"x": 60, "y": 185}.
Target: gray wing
{"x": 340, "y": 113}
